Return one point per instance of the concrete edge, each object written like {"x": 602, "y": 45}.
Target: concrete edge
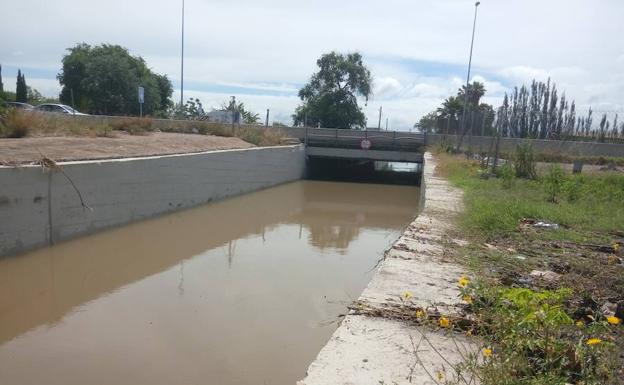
{"x": 371, "y": 350}
{"x": 149, "y": 157}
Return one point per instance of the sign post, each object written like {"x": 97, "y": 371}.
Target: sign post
{"x": 141, "y": 100}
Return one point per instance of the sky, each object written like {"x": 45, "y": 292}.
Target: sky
{"x": 263, "y": 51}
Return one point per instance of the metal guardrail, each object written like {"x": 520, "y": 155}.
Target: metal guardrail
{"x": 342, "y": 138}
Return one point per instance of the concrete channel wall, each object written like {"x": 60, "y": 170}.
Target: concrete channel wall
{"x": 547, "y": 147}
{"x": 39, "y": 208}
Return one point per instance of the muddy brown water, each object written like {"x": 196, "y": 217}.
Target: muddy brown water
{"x": 241, "y": 291}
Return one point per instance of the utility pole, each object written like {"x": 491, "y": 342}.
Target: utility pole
{"x": 463, "y": 121}
{"x": 380, "y": 111}
{"x": 182, "y": 66}
{"x": 267, "y": 119}
{"x": 386, "y": 124}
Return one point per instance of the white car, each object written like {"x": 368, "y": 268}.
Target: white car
{"x": 58, "y": 108}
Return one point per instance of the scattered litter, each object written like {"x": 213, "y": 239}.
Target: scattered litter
{"x": 521, "y": 257}
{"x": 460, "y": 242}
{"x": 546, "y": 275}
{"x": 608, "y": 309}
{"x": 490, "y": 247}
{"x": 528, "y": 222}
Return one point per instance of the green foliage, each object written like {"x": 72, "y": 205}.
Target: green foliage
{"x": 21, "y": 89}
{"x": 1, "y": 85}
{"x": 554, "y": 181}
{"x": 494, "y": 211}
{"x": 248, "y": 116}
{"x": 508, "y": 175}
{"x": 534, "y": 340}
{"x": 525, "y": 161}
{"x": 330, "y": 98}
{"x": 104, "y": 80}
{"x": 447, "y": 117}
{"x": 191, "y": 110}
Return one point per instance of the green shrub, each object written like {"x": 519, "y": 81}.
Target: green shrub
{"x": 507, "y": 174}
{"x": 554, "y": 183}
{"x": 532, "y": 339}
{"x": 525, "y": 161}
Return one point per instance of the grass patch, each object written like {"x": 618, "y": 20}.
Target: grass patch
{"x": 540, "y": 330}
{"x": 494, "y": 207}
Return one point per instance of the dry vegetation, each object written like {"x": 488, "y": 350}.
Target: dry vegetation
{"x": 18, "y": 123}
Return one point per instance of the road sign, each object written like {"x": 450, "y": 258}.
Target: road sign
{"x": 141, "y": 95}
{"x": 365, "y": 144}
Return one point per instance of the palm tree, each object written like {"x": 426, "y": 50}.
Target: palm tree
{"x": 476, "y": 90}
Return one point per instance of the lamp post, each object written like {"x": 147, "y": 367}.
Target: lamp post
{"x": 182, "y": 64}
{"x": 463, "y": 120}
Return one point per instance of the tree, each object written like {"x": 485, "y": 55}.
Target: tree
{"x": 446, "y": 118}
{"x": 21, "y": 89}
{"x": 330, "y": 97}
{"x": 104, "y": 80}
{"x": 1, "y": 85}
{"x": 248, "y": 117}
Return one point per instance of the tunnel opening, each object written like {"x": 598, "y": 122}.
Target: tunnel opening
{"x": 364, "y": 171}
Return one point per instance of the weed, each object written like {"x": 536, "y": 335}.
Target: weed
{"x": 508, "y": 175}
{"x": 133, "y": 126}
{"x": 18, "y": 123}
{"x": 554, "y": 183}
{"x": 525, "y": 161}
{"x": 531, "y": 339}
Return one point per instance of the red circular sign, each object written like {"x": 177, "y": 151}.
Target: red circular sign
{"x": 365, "y": 144}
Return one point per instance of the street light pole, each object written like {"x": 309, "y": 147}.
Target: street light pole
{"x": 182, "y": 64}
{"x": 463, "y": 121}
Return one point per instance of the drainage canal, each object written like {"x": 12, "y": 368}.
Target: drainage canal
{"x": 241, "y": 291}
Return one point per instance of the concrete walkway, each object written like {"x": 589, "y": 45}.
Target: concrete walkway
{"x": 374, "y": 350}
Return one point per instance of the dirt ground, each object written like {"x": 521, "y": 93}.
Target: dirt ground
{"x": 28, "y": 150}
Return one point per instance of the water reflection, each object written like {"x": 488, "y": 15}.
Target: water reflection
{"x": 227, "y": 264}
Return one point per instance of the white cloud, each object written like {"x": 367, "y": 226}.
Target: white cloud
{"x": 272, "y": 45}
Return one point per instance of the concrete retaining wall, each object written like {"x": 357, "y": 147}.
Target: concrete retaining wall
{"x": 548, "y": 147}
{"x": 39, "y": 208}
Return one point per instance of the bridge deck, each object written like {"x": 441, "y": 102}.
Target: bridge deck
{"x": 388, "y": 146}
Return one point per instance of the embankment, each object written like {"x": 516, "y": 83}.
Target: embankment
{"x": 40, "y": 206}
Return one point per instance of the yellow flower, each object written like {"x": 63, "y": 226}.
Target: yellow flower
{"x": 616, "y": 247}
{"x": 469, "y": 333}
{"x": 593, "y": 341}
{"x": 463, "y": 281}
{"x": 614, "y": 320}
{"x": 420, "y": 313}
{"x": 467, "y": 299}
{"x": 580, "y": 324}
{"x": 440, "y": 375}
{"x": 444, "y": 322}
{"x": 407, "y": 295}
{"x": 487, "y": 352}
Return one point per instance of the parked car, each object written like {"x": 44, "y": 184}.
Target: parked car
{"x": 19, "y": 106}
{"x": 57, "y": 108}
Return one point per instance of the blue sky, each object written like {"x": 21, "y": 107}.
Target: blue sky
{"x": 263, "y": 51}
